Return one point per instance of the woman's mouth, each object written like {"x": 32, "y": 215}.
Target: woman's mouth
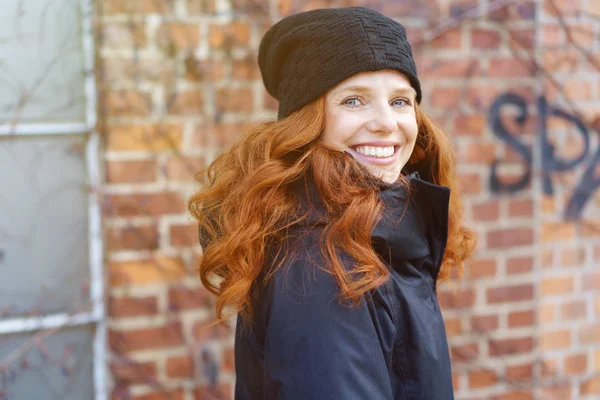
{"x": 377, "y": 155}
{"x": 373, "y": 151}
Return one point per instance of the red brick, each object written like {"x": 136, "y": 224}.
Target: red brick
{"x": 234, "y": 34}
{"x": 521, "y": 318}
{"x": 181, "y": 168}
{"x": 521, "y": 38}
{"x": 154, "y": 270}
{"x": 135, "y": 7}
{"x": 245, "y": 70}
{"x": 547, "y": 259}
{"x": 147, "y": 204}
{"x": 456, "y": 384}
{"x": 510, "y": 67}
{"x": 591, "y": 281}
{"x": 485, "y": 39}
{"x": 484, "y": 323}
{"x": 178, "y": 35}
{"x": 234, "y": 100}
{"x": 142, "y": 171}
{"x": 180, "y": 367}
{"x": 177, "y": 394}
{"x": 590, "y": 386}
{"x": 557, "y": 285}
{"x": 126, "y": 371}
{"x": 555, "y": 391}
{"x": 573, "y": 256}
{"x": 121, "y": 103}
{"x": 558, "y": 231}
{"x": 453, "y": 326}
{"x": 132, "y": 306}
{"x": 559, "y": 60}
{"x": 514, "y": 395}
{"x": 482, "y": 378}
{"x": 582, "y": 34}
{"x": 575, "y": 309}
{"x": 459, "y": 298}
{"x": 184, "y": 235}
{"x": 488, "y": 211}
{"x": 511, "y": 237}
{"x": 549, "y": 368}
{"x": 520, "y": 208}
{"x": 589, "y": 228}
{"x": 118, "y": 34}
{"x": 561, "y": 8}
{"x": 144, "y": 137}
{"x": 451, "y": 39}
{"x": 470, "y": 183}
{"x": 218, "y": 136}
{"x": 132, "y": 238}
{"x": 480, "y": 96}
{"x": 182, "y": 298}
{"x": 149, "y": 338}
{"x": 467, "y": 352}
{"x": 480, "y": 153}
{"x": 520, "y": 372}
{"x": 122, "y": 71}
{"x": 197, "y": 70}
{"x": 444, "y": 96}
{"x": 576, "y": 90}
{"x": 547, "y": 313}
{"x": 449, "y": 68}
{"x": 505, "y": 294}
{"x": 201, "y": 7}
{"x": 481, "y": 268}
{"x": 469, "y": 125}
{"x": 189, "y": 103}
{"x": 576, "y": 364}
{"x": 503, "y": 347}
{"x": 589, "y": 334}
{"x": 555, "y": 340}
{"x": 519, "y": 265}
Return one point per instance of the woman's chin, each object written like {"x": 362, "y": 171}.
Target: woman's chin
{"x": 387, "y": 175}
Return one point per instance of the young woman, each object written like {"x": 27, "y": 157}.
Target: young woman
{"x": 328, "y": 229}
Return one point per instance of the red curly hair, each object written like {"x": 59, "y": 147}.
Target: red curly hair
{"x": 249, "y": 205}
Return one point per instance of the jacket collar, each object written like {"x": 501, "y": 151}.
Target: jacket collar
{"x": 393, "y": 195}
{"x": 414, "y": 223}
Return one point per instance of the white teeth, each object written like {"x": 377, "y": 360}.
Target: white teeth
{"x": 372, "y": 151}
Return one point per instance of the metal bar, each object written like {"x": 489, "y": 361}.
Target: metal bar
{"x": 101, "y": 380}
{"x": 27, "y": 324}
{"x": 44, "y": 129}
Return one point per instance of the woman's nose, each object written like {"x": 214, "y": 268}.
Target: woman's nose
{"x": 382, "y": 120}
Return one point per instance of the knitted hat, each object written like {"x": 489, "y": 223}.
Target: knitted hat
{"x": 303, "y": 55}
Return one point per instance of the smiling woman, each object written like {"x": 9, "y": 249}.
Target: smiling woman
{"x": 372, "y": 116}
{"x": 329, "y": 228}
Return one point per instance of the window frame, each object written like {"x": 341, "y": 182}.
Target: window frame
{"x": 97, "y": 315}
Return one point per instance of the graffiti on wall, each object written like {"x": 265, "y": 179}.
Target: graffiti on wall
{"x": 550, "y": 161}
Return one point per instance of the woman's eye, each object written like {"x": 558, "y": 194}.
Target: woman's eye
{"x": 405, "y": 101}
{"x": 351, "y": 101}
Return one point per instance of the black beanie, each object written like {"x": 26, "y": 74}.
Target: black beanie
{"x": 305, "y": 54}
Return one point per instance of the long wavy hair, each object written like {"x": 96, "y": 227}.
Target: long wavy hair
{"x": 248, "y": 205}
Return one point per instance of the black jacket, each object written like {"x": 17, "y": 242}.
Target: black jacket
{"x": 303, "y": 344}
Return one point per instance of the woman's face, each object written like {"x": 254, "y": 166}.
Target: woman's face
{"x": 372, "y": 116}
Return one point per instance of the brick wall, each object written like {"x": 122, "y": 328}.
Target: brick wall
{"x": 179, "y": 82}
